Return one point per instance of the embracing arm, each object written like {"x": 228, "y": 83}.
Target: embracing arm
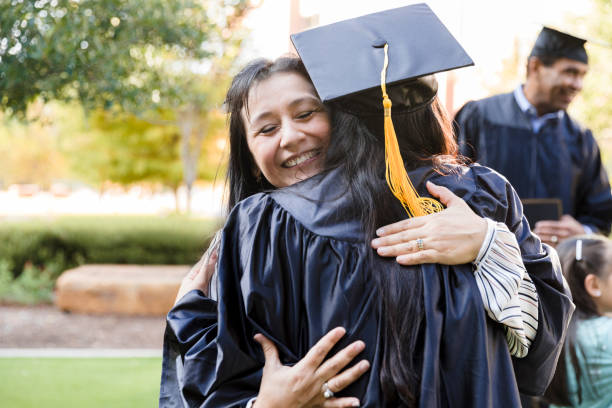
{"x": 466, "y": 126}
{"x": 533, "y": 372}
{"x": 593, "y": 196}
{"x": 201, "y": 381}
{"x": 193, "y": 324}
{"x": 457, "y": 235}
{"x": 453, "y": 236}
{"x": 592, "y": 212}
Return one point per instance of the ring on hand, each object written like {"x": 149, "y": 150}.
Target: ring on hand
{"x": 327, "y": 393}
{"x": 419, "y": 243}
{"x": 554, "y": 239}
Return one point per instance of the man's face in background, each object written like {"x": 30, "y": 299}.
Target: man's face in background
{"x": 558, "y": 83}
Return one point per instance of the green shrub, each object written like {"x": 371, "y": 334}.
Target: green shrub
{"x": 40, "y": 249}
{"x": 34, "y": 285}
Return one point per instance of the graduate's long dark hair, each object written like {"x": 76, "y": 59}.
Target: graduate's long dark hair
{"x": 594, "y": 260}
{"x": 425, "y": 138}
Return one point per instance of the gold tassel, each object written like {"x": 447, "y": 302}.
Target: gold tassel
{"x": 397, "y": 177}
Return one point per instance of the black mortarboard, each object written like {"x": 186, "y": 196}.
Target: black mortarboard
{"x": 345, "y": 62}
{"x": 554, "y": 43}
{"x": 346, "y": 58}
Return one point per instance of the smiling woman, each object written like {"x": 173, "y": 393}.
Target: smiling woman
{"x": 287, "y": 132}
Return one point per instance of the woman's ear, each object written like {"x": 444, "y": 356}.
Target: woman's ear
{"x": 592, "y": 285}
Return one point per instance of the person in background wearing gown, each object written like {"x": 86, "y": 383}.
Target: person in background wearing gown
{"x": 528, "y": 136}
{"x": 311, "y": 210}
{"x": 584, "y": 373}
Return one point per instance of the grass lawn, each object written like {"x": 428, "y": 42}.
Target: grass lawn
{"x": 79, "y": 382}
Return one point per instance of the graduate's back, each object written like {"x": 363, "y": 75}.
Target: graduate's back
{"x": 295, "y": 263}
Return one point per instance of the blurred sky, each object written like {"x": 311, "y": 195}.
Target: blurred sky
{"x": 486, "y": 28}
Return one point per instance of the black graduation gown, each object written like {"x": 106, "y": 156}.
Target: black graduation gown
{"x": 292, "y": 265}
{"x": 561, "y": 161}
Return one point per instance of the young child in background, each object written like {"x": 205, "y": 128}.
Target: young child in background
{"x": 584, "y": 372}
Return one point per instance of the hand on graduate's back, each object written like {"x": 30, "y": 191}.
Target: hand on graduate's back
{"x": 451, "y": 237}
{"x": 552, "y": 232}
{"x": 199, "y": 276}
{"x": 302, "y": 385}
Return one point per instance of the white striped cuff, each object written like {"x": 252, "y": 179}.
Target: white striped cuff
{"x": 508, "y": 293}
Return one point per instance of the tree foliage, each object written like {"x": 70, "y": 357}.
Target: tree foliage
{"x": 100, "y": 52}
{"x": 596, "y": 106}
{"x": 148, "y": 64}
{"x": 126, "y": 149}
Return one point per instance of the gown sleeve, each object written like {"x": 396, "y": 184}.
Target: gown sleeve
{"x": 222, "y": 359}
{"x": 535, "y": 371}
{"x": 277, "y": 278}
{"x": 467, "y": 125}
{"x": 507, "y": 291}
{"x": 192, "y": 322}
{"x": 189, "y": 340}
{"x": 593, "y": 198}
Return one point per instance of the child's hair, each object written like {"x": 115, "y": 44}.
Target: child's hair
{"x": 580, "y": 256}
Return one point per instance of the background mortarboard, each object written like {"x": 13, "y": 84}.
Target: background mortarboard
{"x": 345, "y": 58}
{"x": 555, "y": 43}
{"x": 540, "y": 209}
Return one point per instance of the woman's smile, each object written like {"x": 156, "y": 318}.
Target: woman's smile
{"x": 304, "y": 158}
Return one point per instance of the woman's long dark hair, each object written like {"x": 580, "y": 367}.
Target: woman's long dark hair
{"x": 593, "y": 261}
{"x": 425, "y": 138}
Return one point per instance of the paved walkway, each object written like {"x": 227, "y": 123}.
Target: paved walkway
{"x": 47, "y": 328}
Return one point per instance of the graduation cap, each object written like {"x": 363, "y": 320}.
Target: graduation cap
{"x": 554, "y": 43}
{"x": 370, "y": 63}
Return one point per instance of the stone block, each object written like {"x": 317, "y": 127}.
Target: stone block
{"x": 145, "y": 290}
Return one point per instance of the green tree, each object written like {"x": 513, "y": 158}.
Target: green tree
{"x": 126, "y": 149}
{"x": 137, "y": 56}
{"x": 594, "y": 105}
{"x": 101, "y": 52}
{"x": 29, "y": 151}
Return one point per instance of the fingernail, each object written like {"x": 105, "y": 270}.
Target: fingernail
{"x": 355, "y": 404}
{"x": 364, "y": 365}
{"x": 375, "y": 242}
{"x": 382, "y": 251}
{"x": 358, "y": 346}
{"x": 380, "y": 231}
